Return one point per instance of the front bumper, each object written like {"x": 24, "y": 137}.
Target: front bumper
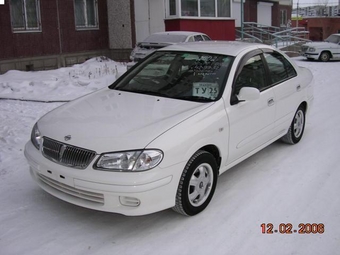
{"x": 137, "y": 193}
{"x": 311, "y": 55}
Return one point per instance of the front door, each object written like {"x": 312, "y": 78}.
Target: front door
{"x": 251, "y": 122}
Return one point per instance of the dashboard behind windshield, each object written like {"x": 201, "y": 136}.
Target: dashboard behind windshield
{"x": 182, "y": 75}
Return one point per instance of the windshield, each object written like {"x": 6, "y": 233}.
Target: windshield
{"x": 333, "y": 39}
{"x": 190, "y": 76}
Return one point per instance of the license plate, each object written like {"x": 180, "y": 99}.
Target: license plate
{"x": 205, "y": 89}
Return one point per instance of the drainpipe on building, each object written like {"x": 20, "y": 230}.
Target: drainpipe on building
{"x": 60, "y": 60}
{"x": 297, "y": 13}
{"x": 242, "y": 19}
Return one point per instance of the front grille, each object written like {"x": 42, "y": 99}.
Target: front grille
{"x": 304, "y": 48}
{"x": 78, "y": 193}
{"x": 66, "y": 154}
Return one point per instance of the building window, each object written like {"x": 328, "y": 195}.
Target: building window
{"x": 172, "y": 7}
{"x": 223, "y": 7}
{"x": 86, "y": 14}
{"x": 25, "y": 15}
{"x": 283, "y": 17}
{"x": 205, "y": 8}
{"x": 189, "y": 7}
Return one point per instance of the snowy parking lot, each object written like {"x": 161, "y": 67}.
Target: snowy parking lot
{"x": 281, "y": 184}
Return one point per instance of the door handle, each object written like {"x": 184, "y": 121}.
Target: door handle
{"x": 270, "y": 102}
{"x": 298, "y": 87}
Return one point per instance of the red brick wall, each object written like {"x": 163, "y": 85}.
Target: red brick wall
{"x": 320, "y": 27}
{"x": 216, "y": 29}
{"x": 16, "y": 45}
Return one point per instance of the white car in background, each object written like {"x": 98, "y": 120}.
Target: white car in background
{"x": 323, "y": 51}
{"x": 162, "y": 39}
{"x": 162, "y": 133}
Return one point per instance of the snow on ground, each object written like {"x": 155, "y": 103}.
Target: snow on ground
{"x": 281, "y": 184}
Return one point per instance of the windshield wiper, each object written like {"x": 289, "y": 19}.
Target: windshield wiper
{"x": 196, "y": 98}
{"x": 145, "y": 92}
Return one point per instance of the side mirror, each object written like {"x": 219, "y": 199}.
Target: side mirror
{"x": 248, "y": 94}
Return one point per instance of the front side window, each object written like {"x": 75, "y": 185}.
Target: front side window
{"x": 86, "y": 14}
{"x": 198, "y": 77}
{"x": 25, "y": 15}
{"x": 279, "y": 68}
{"x": 251, "y": 75}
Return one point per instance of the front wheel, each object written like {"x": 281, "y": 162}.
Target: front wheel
{"x": 297, "y": 127}
{"x": 325, "y": 56}
{"x": 197, "y": 184}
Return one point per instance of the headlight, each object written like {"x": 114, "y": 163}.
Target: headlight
{"x": 311, "y": 49}
{"x": 36, "y": 137}
{"x": 130, "y": 161}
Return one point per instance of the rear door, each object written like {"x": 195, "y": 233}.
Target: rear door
{"x": 286, "y": 87}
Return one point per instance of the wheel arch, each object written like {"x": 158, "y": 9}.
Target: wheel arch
{"x": 305, "y": 106}
{"x": 328, "y": 51}
{"x": 213, "y": 149}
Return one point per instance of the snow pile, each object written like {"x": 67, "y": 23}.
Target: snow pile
{"x": 63, "y": 84}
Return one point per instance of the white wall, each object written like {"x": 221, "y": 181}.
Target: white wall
{"x": 149, "y": 18}
{"x": 236, "y": 12}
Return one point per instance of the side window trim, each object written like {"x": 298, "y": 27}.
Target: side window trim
{"x": 272, "y": 84}
{"x": 241, "y": 64}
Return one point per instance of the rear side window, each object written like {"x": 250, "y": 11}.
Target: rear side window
{"x": 206, "y": 38}
{"x": 198, "y": 38}
{"x": 279, "y": 68}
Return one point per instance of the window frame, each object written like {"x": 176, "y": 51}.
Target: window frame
{"x": 96, "y": 16}
{"x": 25, "y": 28}
{"x": 270, "y": 81}
{"x": 283, "y": 18}
{"x": 179, "y": 14}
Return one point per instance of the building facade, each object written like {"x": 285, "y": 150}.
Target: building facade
{"x": 51, "y": 31}
{"x": 320, "y": 27}
{"x": 47, "y": 34}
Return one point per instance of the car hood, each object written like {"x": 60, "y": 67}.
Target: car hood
{"x": 111, "y": 120}
{"x": 321, "y": 45}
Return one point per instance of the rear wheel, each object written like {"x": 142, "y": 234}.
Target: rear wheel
{"x": 297, "y": 127}
{"x": 325, "y": 56}
{"x": 197, "y": 184}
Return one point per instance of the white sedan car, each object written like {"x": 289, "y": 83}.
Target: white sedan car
{"x": 323, "y": 51}
{"x": 163, "y": 39}
{"x": 160, "y": 135}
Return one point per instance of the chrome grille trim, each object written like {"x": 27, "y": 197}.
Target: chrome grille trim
{"x": 304, "y": 48}
{"x": 82, "y": 194}
{"x": 67, "y": 155}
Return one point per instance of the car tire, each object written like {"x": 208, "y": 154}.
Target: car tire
{"x": 197, "y": 184}
{"x": 297, "y": 127}
{"x": 325, "y": 56}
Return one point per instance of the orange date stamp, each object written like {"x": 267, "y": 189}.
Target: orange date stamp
{"x": 288, "y": 228}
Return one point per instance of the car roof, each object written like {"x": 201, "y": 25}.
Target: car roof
{"x": 230, "y": 48}
{"x": 178, "y": 33}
